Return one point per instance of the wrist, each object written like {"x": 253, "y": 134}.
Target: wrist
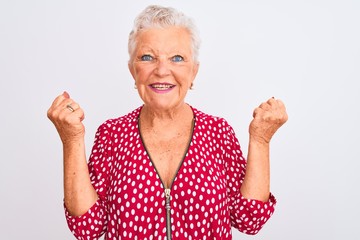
{"x": 71, "y": 140}
{"x": 73, "y": 143}
{"x": 259, "y": 140}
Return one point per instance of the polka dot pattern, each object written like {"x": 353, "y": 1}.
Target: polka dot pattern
{"x": 205, "y": 197}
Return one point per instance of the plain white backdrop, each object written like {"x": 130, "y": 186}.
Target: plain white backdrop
{"x": 305, "y": 52}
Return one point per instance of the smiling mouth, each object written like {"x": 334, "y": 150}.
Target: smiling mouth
{"x": 162, "y": 86}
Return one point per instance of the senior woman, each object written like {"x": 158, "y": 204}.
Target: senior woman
{"x": 166, "y": 170}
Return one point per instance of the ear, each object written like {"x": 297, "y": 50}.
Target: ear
{"x": 131, "y": 69}
{"x": 195, "y": 70}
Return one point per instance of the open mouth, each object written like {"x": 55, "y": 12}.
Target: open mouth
{"x": 161, "y": 86}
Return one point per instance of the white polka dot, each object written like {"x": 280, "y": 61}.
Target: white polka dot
{"x": 204, "y": 194}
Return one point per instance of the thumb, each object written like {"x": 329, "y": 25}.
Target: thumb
{"x": 66, "y": 94}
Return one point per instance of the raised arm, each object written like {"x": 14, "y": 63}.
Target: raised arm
{"x": 67, "y": 116}
{"x": 268, "y": 118}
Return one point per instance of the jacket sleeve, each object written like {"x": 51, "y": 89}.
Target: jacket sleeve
{"x": 246, "y": 215}
{"x": 92, "y": 224}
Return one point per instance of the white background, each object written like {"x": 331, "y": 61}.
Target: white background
{"x": 304, "y": 52}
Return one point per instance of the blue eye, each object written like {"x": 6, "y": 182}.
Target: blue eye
{"x": 177, "y": 58}
{"x": 146, "y": 58}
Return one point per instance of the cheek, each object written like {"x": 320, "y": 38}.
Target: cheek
{"x": 187, "y": 76}
{"x": 142, "y": 73}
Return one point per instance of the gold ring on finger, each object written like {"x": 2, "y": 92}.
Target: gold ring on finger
{"x": 70, "y": 107}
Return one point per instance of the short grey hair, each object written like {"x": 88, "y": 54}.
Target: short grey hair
{"x": 155, "y": 16}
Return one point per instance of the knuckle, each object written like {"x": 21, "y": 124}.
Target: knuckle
{"x": 49, "y": 114}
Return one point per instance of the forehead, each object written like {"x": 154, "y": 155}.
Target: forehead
{"x": 164, "y": 39}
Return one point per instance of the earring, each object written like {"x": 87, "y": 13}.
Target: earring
{"x": 192, "y": 86}
{"x": 135, "y": 87}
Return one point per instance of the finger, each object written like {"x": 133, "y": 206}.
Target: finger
{"x": 272, "y": 101}
{"x": 66, "y": 94}
{"x": 73, "y": 108}
{"x": 268, "y": 115}
{"x": 70, "y": 106}
{"x": 62, "y": 107}
{"x": 257, "y": 111}
{"x": 52, "y": 111}
{"x": 265, "y": 106}
{"x": 280, "y": 103}
{"x": 59, "y": 99}
{"x": 81, "y": 115}
{"x": 280, "y": 108}
{"x": 73, "y": 117}
{"x": 263, "y": 115}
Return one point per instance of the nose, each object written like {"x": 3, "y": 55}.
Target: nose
{"x": 162, "y": 67}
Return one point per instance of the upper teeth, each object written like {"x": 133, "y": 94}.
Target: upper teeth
{"x": 161, "y": 86}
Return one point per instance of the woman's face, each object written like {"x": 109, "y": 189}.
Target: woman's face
{"x": 163, "y": 67}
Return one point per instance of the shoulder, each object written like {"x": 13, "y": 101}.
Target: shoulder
{"x": 128, "y": 121}
{"x": 205, "y": 120}
{"x": 211, "y": 127}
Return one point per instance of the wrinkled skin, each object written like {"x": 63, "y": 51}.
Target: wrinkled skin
{"x": 68, "y": 124}
{"x": 268, "y": 118}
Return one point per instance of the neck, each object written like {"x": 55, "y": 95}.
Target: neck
{"x": 158, "y": 116}
{"x": 166, "y": 123}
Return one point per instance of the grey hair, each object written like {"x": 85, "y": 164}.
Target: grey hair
{"x": 155, "y": 16}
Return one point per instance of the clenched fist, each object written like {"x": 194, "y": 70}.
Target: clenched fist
{"x": 67, "y": 116}
{"x": 268, "y": 118}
